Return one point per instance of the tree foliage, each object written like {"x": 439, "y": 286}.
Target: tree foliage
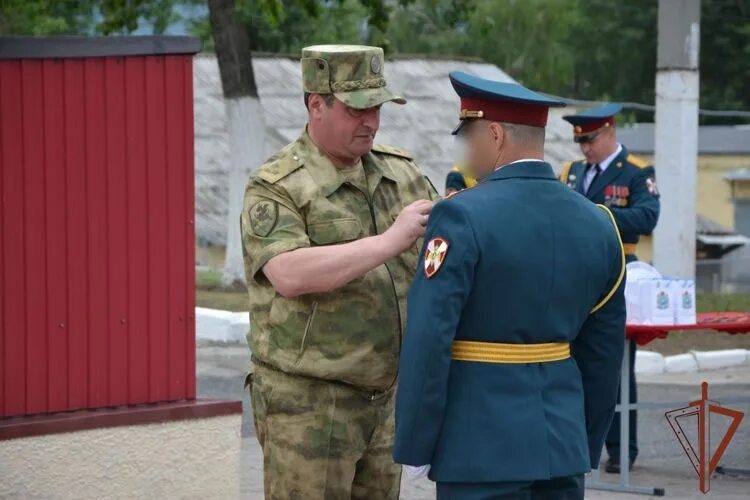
{"x": 589, "y": 49}
{"x": 46, "y": 17}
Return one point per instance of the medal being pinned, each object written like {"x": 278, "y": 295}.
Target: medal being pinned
{"x": 434, "y": 256}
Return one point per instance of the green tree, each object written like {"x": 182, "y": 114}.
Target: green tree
{"x": 725, "y": 56}
{"x": 123, "y": 16}
{"x": 526, "y": 38}
{"x": 295, "y": 27}
{"x": 616, "y": 55}
{"x": 45, "y": 17}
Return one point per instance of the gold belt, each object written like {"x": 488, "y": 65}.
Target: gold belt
{"x": 492, "y": 352}
{"x": 629, "y": 248}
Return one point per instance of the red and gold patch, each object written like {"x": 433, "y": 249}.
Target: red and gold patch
{"x": 434, "y": 256}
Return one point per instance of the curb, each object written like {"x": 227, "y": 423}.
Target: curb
{"x": 653, "y": 363}
{"x": 216, "y": 325}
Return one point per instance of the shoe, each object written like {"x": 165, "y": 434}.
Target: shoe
{"x": 613, "y": 466}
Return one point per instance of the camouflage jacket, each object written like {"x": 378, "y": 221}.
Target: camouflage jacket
{"x": 297, "y": 199}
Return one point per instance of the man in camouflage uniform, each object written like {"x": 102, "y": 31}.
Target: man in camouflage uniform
{"x": 331, "y": 231}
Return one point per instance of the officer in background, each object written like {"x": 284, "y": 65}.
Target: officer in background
{"x": 627, "y": 185}
{"x": 510, "y": 364}
{"x": 330, "y": 227}
{"x": 458, "y": 179}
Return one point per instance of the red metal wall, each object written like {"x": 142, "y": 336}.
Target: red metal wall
{"x": 96, "y": 232}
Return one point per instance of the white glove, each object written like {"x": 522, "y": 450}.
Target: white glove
{"x": 417, "y": 471}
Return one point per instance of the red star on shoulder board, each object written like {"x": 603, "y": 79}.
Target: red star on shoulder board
{"x": 434, "y": 256}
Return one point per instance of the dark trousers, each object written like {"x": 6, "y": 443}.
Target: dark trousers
{"x": 558, "y": 488}
{"x": 612, "y": 441}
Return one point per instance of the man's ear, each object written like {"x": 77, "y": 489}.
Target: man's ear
{"x": 315, "y": 103}
{"x": 497, "y": 132}
{"x": 610, "y": 133}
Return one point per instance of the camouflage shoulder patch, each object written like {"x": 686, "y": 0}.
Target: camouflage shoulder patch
{"x": 263, "y": 215}
{"x": 279, "y": 166}
{"x": 393, "y": 151}
{"x": 637, "y": 162}
{"x": 434, "y": 256}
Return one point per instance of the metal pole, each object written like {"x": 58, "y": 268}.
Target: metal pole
{"x": 625, "y": 416}
{"x": 676, "y": 138}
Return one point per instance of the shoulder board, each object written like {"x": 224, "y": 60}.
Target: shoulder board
{"x": 390, "y": 150}
{"x": 565, "y": 171}
{"x": 279, "y": 166}
{"x": 637, "y": 162}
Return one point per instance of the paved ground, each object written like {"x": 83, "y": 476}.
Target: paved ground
{"x": 661, "y": 462}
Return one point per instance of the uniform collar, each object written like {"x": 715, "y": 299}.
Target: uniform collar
{"x": 523, "y": 169}
{"x": 609, "y": 175}
{"x": 325, "y": 173}
{"x": 608, "y": 160}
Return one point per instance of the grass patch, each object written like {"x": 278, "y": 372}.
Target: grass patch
{"x": 217, "y": 299}
{"x": 714, "y": 302}
{"x": 211, "y": 293}
{"x": 208, "y": 280}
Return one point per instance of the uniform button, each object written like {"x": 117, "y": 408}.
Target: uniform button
{"x": 295, "y": 157}
{"x": 372, "y": 397}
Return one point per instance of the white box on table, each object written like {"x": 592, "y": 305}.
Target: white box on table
{"x": 683, "y": 298}
{"x": 657, "y": 307}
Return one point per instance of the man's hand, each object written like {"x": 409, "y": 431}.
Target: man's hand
{"x": 408, "y": 227}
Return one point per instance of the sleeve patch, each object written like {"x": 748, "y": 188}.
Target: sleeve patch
{"x": 434, "y": 256}
{"x": 651, "y": 186}
{"x": 263, "y": 217}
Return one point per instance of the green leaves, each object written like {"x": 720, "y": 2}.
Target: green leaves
{"x": 123, "y": 16}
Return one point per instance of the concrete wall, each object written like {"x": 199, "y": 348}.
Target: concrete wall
{"x": 185, "y": 459}
{"x": 713, "y": 193}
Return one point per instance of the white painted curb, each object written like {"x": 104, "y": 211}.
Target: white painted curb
{"x": 216, "y": 325}
{"x": 713, "y": 360}
{"x": 680, "y": 363}
{"x": 650, "y": 363}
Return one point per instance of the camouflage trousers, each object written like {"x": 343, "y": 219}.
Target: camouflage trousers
{"x": 323, "y": 440}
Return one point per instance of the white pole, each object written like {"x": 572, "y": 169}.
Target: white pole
{"x": 676, "y": 140}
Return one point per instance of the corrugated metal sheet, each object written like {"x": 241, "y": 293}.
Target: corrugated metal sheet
{"x": 96, "y": 232}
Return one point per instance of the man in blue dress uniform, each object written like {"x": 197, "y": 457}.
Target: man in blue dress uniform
{"x": 627, "y": 185}
{"x": 510, "y": 364}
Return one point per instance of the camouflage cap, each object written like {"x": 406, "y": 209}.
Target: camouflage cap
{"x": 353, "y": 73}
